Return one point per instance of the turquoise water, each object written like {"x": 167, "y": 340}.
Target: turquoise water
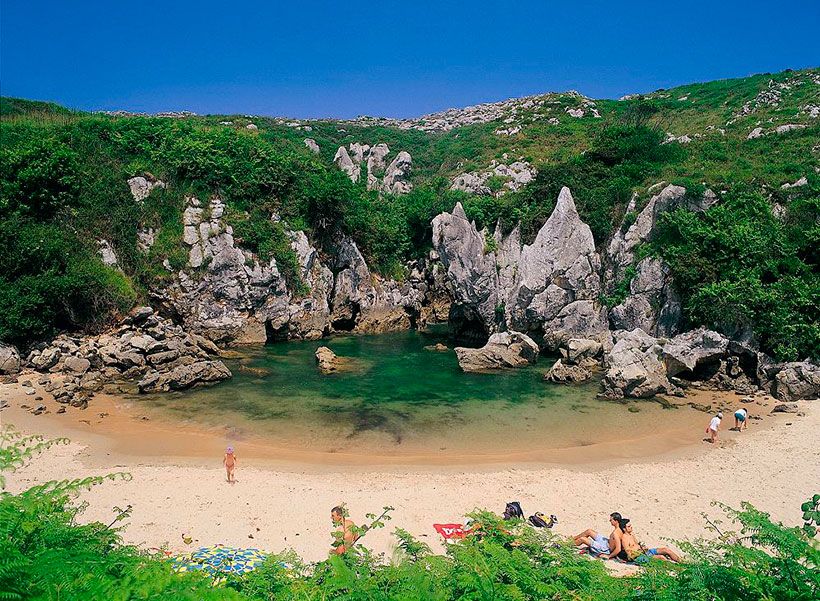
{"x": 396, "y": 397}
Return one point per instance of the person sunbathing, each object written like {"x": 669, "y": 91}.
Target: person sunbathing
{"x": 598, "y": 544}
{"x": 633, "y": 550}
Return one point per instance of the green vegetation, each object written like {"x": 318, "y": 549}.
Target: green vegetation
{"x": 63, "y": 187}
{"x": 47, "y": 554}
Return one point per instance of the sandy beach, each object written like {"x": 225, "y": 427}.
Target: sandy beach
{"x": 278, "y": 504}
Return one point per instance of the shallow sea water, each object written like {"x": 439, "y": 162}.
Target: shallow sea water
{"x": 399, "y": 399}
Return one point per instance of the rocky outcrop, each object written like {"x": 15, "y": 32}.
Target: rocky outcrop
{"x": 106, "y": 252}
{"x": 145, "y": 348}
{"x": 514, "y": 176}
{"x": 503, "y": 350}
{"x": 9, "y": 359}
{"x": 548, "y": 289}
{"x": 653, "y": 304}
{"x": 393, "y": 179}
{"x": 635, "y": 368}
{"x": 797, "y": 381}
{"x": 558, "y": 282}
{"x": 311, "y": 145}
{"x": 687, "y": 352}
{"x": 566, "y": 373}
{"x": 397, "y": 177}
{"x": 142, "y": 186}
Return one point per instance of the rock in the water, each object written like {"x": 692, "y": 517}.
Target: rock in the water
{"x": 327, "y": 360}
{"x": 686, "y": 351}
{"x": 503, "y": 349}
{"x": 577, "y": 349}
{"x": 563, "y": 373}
{"x": 797, "y": 381}
{"x": 438, "y": 347}
{"x": 634, "y": 367}
{"x": 9, "y": 359}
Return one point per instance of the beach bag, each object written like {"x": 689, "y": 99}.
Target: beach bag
{"x": 513, "y": 511}
{"x": 538, "y": 520}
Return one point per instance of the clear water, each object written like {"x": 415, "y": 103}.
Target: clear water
{"x": 400, "y": 399}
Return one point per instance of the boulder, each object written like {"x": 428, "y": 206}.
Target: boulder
{"x": 312, "y": 145}
{"x": 634, "y": 367}
{"x": 564, "y": 373}
{"x": 142, "y": 186}
{"x": 577, "y": 349}
{"x": 9, "y": 359}
{"x": 77, "y": 365}
{"x": 346, "y": 164}
{"x": 786, "y": 408}
{"x": 106, "y": 252}
{"x": 185, "y": 376}
{"x": 685, "y": 352}
{"x": 326, "y": 360}
{"x": 797, "y": 381}
{"x": 503, "y": 350}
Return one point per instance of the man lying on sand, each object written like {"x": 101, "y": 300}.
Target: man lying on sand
{"x": 634, "y": 551}
{"x": 345, "y": 533}
{"x": 598, "y": 544}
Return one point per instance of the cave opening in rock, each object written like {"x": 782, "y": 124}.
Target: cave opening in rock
{"x": 275, "y": 334}
{"x": 466, "y": 326}
{"x": 348, "y": 322}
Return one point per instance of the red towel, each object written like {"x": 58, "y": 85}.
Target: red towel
{"x": 451, "y": 531}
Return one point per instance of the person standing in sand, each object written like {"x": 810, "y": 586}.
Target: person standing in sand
{"x": 713, "y": 427}
{"x": 229, "y": 461}
{"x": 345, "y": 533}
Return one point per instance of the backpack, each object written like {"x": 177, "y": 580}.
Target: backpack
{"x": 513, "y": 511}
{"x": 538, "y": 520}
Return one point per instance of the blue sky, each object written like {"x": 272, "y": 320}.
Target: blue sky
{"x": 342, "y": 59}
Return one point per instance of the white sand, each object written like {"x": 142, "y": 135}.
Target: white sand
{"x": 776, "y": 467}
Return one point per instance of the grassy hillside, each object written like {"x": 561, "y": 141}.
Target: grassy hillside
{"x": 63, "y": 188}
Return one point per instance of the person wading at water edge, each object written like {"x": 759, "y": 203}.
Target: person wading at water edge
{"x": 598, "y": 544}
{"x": 345, "y": 534}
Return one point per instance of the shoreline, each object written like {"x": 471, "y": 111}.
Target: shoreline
{"x": 130, "y": 433}
{"x": 275, "y": 506}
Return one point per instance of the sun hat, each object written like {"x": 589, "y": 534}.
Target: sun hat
{"x": 720, "y": 414}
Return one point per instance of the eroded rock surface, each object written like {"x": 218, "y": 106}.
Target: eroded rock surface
{"x": 797, "y": 381}
{"x": 503, "y": 350}
{"x": 9, "y": 359}
{"x": 635, "y": 368}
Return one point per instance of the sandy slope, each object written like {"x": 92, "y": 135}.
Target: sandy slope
{"x": 776, "y": 467}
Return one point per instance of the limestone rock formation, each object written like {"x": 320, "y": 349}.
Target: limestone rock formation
{"x": 566, "y": 373}
{"x": 548, "y": 289}
{"x": 397, "y": 177}
{"x": 106, "y": 252}
{"x": 9, "y": 359}
{"x": 653, "y": 304}
{"x": 503, "y": 350}
{"x": 144, "y": 348}
{"x": 312, "y": 145}
{"x": 558, "y": 283}
{"x": 797, "y": 381}
{"x": 392, "y": 179}
{"x": 142, "y": 185}
{"x": 634, "y": 367}
{"x": 686, "y": 352}
{"x": 515, "y": 176}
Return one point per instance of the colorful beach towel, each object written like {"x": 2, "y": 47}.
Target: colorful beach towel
{"x": 220, "y": 560}
{"x": 451, "y": 531}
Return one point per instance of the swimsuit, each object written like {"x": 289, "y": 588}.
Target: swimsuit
{"x": 599, "y": 545}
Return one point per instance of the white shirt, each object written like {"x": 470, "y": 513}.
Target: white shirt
{"x": 713, "y": 425}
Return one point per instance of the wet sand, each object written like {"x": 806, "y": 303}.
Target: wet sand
{"x": 282, "y": 503}
{"x": 126, "y": 430}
